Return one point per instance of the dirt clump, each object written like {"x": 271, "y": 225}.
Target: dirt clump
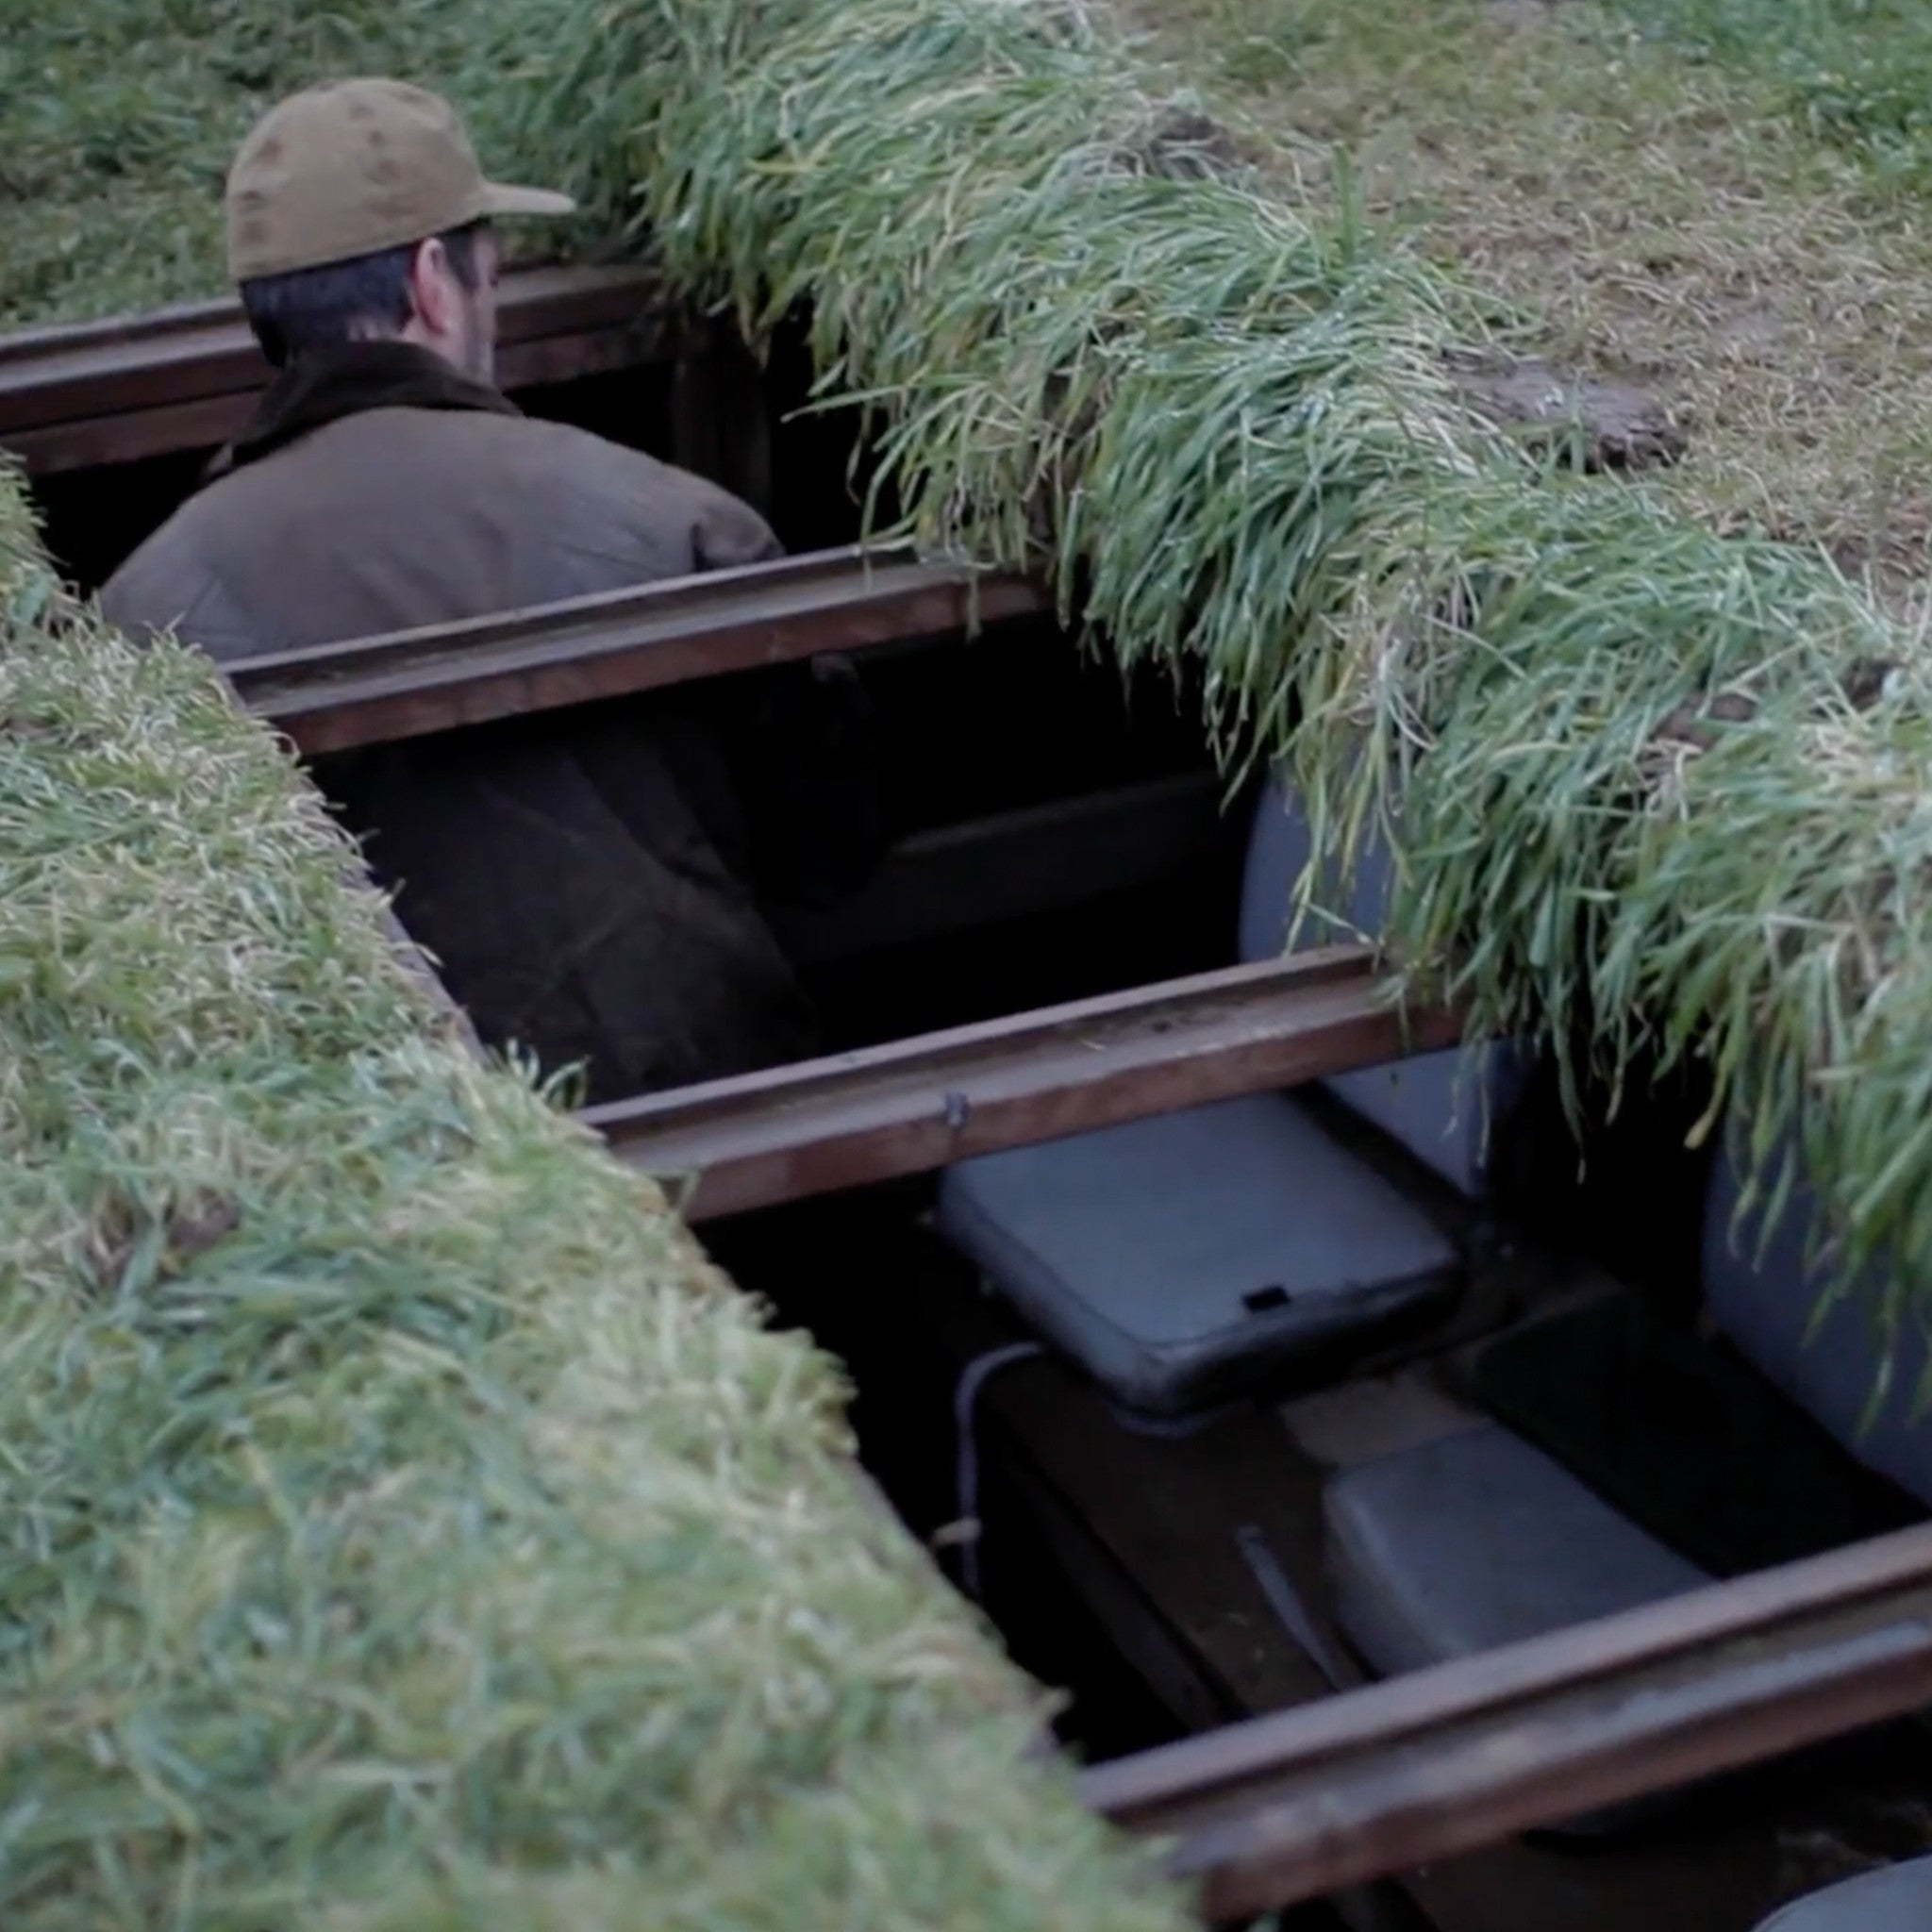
{"x": 1613, "y": 423}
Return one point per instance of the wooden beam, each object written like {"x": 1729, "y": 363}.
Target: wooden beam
{"x": 1423, "y": 1767}
{"x": 187, "y": 379}
{"x": 920, "y": 1103}
{"x": 411, "y": 684}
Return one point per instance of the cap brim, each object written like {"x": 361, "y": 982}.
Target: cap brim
{"x": 499, "y": 199}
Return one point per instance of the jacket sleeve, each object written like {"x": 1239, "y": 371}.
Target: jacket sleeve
{"x": 146, "y": 602}
{"x": 729, "y": 533}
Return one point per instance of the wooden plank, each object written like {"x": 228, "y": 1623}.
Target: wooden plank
{"x": 1018, "y": 864}
{"x": 921, "y": 1104}
{"x": 1424, "y": 1767}
{"x": 187, "y": 379}
{"x": 1154, "y": 1523}
{"x": 409, "y": 684}
{"x": 721, "y": 424}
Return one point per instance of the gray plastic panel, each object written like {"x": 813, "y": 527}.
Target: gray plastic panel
{"x": 1439, "y": 1105}
{"x": 1767, "y": 1305}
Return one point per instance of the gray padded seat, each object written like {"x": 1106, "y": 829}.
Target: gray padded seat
{"x": 1426, "y": 1548}
{"x": 1193, "y": 1256}
{"x": 1199, "y": 1256}
{"x": 1474, "y": 1540}
{"x": 1439, "y": 1105}
{"x": 1897, "y": 1899}
{"x": 1765, "y": 1303}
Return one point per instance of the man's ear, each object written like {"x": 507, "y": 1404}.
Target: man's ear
{"x": 433, "y": 288}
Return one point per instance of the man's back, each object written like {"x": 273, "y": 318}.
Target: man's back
{"x": 393, "y": 517}
{"x": 578, "y": 878}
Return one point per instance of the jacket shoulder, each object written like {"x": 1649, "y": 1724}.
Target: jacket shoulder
{"x": 170, "y": 582}
{"x": 723, "y": 529}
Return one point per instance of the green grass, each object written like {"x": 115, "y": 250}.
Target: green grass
{"x": 1642, "y": 186}
{"x": 403, "y": 1528}
{"x": 1665, "y": 220}
{"x": 118, "y": 119}
{"x": 1855, "y": 73}
{"x": 1633, "y": 802}
{"x": 401, "y": 1525}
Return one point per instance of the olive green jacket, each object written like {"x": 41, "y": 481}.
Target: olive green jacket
{"x": 580, "y": 880}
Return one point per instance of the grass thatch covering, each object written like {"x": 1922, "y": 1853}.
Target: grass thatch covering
{"x": 118, "y": 119}
{"x": 1654, "y": 793}
{"x": 1720, "y": 201}
{"x": 400, "y": 1526}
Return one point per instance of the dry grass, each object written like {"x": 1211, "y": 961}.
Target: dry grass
{"x": 1653, "y": 217}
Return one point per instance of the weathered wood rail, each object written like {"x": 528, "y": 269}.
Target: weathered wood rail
{"x": 411, "y": 684}
{"x": 185, "y": 378}
{"x": 1378, "y": 1781}
{"x": 917, "y": 1104}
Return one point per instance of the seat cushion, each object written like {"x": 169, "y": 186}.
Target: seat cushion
{"x": 1201, "y": 1255}
{"x": 1898, "y": 1899}
{"x": 1476, "y": 1539}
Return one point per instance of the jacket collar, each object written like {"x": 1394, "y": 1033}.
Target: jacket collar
{"x": 326, "y": 385}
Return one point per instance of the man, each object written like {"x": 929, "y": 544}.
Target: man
{"x": 581, "y": 881}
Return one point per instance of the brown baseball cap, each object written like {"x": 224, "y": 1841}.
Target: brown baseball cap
{"x": 354, "y": 168}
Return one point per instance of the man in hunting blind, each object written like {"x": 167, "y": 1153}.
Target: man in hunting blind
{"x": 583, "y": 887}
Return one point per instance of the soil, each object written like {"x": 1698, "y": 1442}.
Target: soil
{"x": 1619, "y": 424}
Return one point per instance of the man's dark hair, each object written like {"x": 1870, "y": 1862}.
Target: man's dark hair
{"x": 319, "y": 307}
